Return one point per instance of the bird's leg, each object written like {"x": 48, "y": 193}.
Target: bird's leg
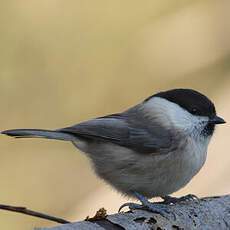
{"x": 174, "y": 200}
{"x": 161, "y": 209}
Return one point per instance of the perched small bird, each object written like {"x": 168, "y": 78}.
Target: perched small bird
{"x": 152, "y": 149}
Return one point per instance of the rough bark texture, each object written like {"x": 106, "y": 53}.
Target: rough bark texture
{"x": 205, "y": 214}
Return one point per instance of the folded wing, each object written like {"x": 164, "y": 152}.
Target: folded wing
{"x": 136, "y": 134}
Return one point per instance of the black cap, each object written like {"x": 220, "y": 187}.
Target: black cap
{"x": 191, "y": 100}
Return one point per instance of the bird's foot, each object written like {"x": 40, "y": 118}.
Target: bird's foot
{"x": 174, "y": 200}
{"x": 161, "y": 209}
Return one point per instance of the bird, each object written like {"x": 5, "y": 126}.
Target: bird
{"x": 152, "y": 149}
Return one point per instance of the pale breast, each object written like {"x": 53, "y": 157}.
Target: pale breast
{"x": 149, "y": 174}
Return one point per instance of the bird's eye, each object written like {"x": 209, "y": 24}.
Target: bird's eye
{"x": 194, "y": 111}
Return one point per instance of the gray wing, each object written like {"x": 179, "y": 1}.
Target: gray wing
{"x": 133, "y": 132}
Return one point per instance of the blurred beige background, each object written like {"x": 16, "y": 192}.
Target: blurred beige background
{"x": 62, "y": 62}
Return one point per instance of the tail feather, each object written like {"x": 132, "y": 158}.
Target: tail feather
{"x": 42, "y": 133}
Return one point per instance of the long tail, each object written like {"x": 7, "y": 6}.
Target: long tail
{"x": 42, "y": 133}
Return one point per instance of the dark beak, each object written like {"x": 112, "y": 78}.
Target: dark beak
{"x": 216, "y": 120}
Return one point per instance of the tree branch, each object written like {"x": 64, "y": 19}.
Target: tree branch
{"x": 206, "y": 213}
{"x": 29, "y": 212}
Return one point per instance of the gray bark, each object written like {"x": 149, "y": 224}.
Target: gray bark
{"x": 205, "y": 214}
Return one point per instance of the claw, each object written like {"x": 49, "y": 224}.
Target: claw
{"x": 161, "y": 209}
{"x": 131, "y": 206}
{"x": 174, "y": 200}
{"x": 155, "y": 208}
{"x": 191, "y": 197}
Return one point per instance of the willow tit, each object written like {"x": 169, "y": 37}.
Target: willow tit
{"x": 150, "y": 150}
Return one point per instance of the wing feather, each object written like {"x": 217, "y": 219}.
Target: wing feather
{"x": 137, "y": 133}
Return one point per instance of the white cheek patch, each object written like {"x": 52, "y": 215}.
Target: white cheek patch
{"x": 170, "y": 114}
